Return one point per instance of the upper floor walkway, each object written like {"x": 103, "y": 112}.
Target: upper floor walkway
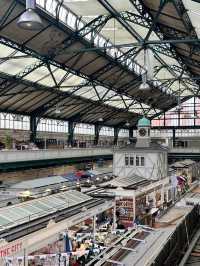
{"x": 34, "y": 155}
{"x": 10, "y": 159}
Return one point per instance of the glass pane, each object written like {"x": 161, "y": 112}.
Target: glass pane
{"x": 126, "y": 160}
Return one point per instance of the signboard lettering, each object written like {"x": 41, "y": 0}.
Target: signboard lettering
{"x": 8, "y": 250}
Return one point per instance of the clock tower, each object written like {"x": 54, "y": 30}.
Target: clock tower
{"x": 143, "y": 133}
{"x": 145, "y": 159}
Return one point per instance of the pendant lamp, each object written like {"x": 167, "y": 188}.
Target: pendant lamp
{"x": 30, "y": 20}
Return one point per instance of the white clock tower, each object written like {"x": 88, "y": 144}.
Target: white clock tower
{"x": 143, "y": 136}
{"x": 146, "y": 159}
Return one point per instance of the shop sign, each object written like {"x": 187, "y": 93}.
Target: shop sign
{"x": 11, "y": 249}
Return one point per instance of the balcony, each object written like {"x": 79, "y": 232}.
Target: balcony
{"x": 37, "y": 155}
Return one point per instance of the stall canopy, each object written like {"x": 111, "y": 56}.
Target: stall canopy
{"x": 39, "y": 182}
{"x": 127, "y": 182}
{"x": 25, "y": 212}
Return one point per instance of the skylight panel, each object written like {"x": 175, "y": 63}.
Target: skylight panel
{"x": 14, "y": 66}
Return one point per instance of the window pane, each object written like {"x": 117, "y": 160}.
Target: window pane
{"x": 131, "y": 160}
{"x": 137, "y": 161}
{"x": 142, "y": 161}
{"x": 126, "y": 160}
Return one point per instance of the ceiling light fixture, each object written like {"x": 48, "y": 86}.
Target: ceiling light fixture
{"x": 144, "y": 86}
{"x": 30, "y": 20}
{"x": 179, "y": 107}
{"x": 195, "y": 116}
{"x": 100, "y": 119}
{"x": 127, "y": 124}
{"x": 57, "y": 110}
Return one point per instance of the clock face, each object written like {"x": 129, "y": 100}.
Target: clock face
{"x": 142, "y": 132}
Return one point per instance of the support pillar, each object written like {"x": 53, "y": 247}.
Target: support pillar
{"x": 97, "y": 129}
{"x": 25, "y": 257}
{"x": 71, "y": 127}
{"x": 173, "y": 137}
{"x": 130, "y": 134}
{"x": 33, "y": 128}
{"x": 153, "y": 194}
{"x": 134, "y": 207}
{"x": 162, "y": 195}
{"x": 116, "y": 134}
{"x": 114, "y": 217}
{"x": 94, "y": 227}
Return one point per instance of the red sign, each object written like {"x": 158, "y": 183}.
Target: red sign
{"x": 8, "y": 250}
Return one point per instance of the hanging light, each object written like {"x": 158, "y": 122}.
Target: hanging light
{"x": 179, "y": 107}
{"x": 100, "y": 119}
{"x": 144, "y": 86}
{"x": 30, "y": 20}
{"x": 57, "y": 110}
{"x": 127, "y": 124}
{"x": 195, "y": 116}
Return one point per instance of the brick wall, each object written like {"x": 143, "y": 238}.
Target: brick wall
{"x": 43, "y": 172}
{"x": 35, "y": 173}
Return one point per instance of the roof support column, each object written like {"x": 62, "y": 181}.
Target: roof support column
{"x": 71, "y": 127}
{"x": 97, "y": 129}
{"x": 116, "y": 134}
{"x": 33, "y": 128}
{"x": 130, "y": 133}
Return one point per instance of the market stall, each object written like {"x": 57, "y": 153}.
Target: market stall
{"x": 138, "y": 200}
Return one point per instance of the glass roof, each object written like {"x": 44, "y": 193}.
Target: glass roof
{"x": 76, "y": 14}
{"x": 15, "y": 63}
{"x": 114, "y": 31}
{"x": 31, "y": 210}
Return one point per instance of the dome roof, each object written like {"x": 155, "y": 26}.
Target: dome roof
{"x": 144, "y": 122}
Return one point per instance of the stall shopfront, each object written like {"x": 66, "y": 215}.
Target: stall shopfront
{"x": 137, "y": 200}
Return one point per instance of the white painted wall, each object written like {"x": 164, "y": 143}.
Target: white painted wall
{"x": 155, "y": 165}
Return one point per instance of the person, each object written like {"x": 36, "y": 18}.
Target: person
{"x": 137, "y": 220}
{"x": 74, "y": 262}
{"x": 120, "y": 226}
{"x": 181, "y": 183}
{"x": 186, "y": 182}
{"x": 90, "y": 253}
{"x": 82, "y": 260}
